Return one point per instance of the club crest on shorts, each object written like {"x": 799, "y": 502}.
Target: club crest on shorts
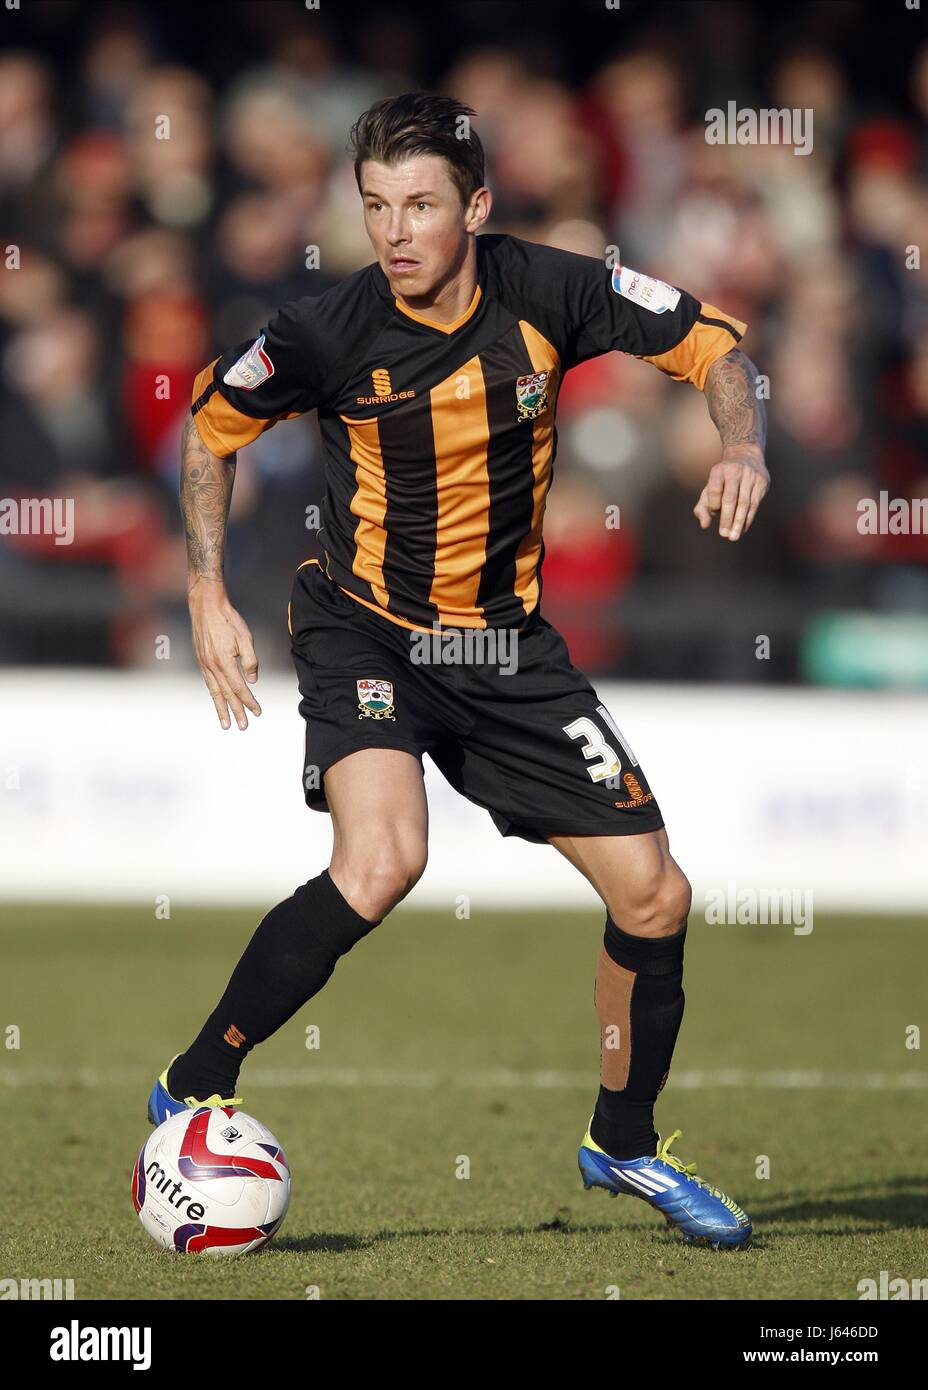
{"x": 531, "y": 394}
{"x": 253, "y": 367}
{"x": 375, "y": 699}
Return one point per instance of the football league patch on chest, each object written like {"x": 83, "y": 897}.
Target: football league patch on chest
{"x": 253, "y": 367}
{"x": 655, "y": 295}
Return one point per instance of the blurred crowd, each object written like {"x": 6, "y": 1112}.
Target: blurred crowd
{"x": 130, "y": 261}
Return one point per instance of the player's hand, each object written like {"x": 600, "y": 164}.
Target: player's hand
{"x": 224, "y": 651}
{"x": 736, "y": 486}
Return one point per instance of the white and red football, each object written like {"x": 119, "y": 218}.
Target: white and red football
{"x": 211, "y": 1180}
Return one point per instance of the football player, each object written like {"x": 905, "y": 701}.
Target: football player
{"x": 435, "y": 372}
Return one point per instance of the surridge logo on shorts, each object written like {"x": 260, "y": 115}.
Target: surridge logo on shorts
{"x": 375, "y": 699}
{"x": 531, "y": 394}
{"x": 636, "y": 797}
{"x": 253, "y": 367}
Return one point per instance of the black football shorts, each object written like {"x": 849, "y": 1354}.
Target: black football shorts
{"x": 535, "y": 747}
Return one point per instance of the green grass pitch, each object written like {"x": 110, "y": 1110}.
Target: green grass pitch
{"x": 443, "y": 1038}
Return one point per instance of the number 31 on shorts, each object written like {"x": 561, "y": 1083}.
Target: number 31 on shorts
{"x": 595, "y": 745}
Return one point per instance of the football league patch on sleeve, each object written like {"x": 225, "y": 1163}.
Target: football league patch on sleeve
{"x": 253, "y": 367}
{"x": 655, "y": 295}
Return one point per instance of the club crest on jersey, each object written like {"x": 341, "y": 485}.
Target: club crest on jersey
{"x": 253, "y": 367}
{"x": 531, "y": 394}
{"x": 655, "y": 295}
{"x": 375, "y": 699}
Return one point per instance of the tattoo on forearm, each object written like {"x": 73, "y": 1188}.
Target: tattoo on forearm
{"x": 205, "y": 492}
{"x": 730, "y": 392}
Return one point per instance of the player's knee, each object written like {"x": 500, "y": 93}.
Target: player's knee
{"x": 679, "y": 900}
{"x": 377, "y": 877}
{"x": 671, "y": 901}
{"x": 662, "y": 906}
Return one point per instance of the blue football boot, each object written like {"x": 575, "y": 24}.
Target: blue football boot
{"x": 701, "y": 1213}
{"x": 162, "y": 1105}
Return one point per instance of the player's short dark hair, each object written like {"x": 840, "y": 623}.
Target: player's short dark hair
{"x": 421, "y": 123}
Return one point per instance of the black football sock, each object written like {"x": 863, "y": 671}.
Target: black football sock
{"x": 639, "y": 1001}
{"x": 291, "y": 955}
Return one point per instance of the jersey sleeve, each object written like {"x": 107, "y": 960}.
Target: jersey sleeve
{"x": 253, "y": 385}
{"x": 623, "y": 310}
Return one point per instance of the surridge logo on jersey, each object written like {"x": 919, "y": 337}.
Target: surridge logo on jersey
{"x": 375, "y": 699}
{"x": 531, "y": 394}
{"x": 383, "y": 390}
{"x": 253, "y": 367}
{"x": 655, "y": 295}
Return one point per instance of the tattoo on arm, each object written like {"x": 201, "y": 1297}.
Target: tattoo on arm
{"x": 730, "y": 392}
{"x": 205, "y": 492}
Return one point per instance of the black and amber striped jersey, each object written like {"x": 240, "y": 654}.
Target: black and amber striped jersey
{"x": 440, "y": 438}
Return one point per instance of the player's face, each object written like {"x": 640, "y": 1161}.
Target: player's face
{"x": 417, "y": 225}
